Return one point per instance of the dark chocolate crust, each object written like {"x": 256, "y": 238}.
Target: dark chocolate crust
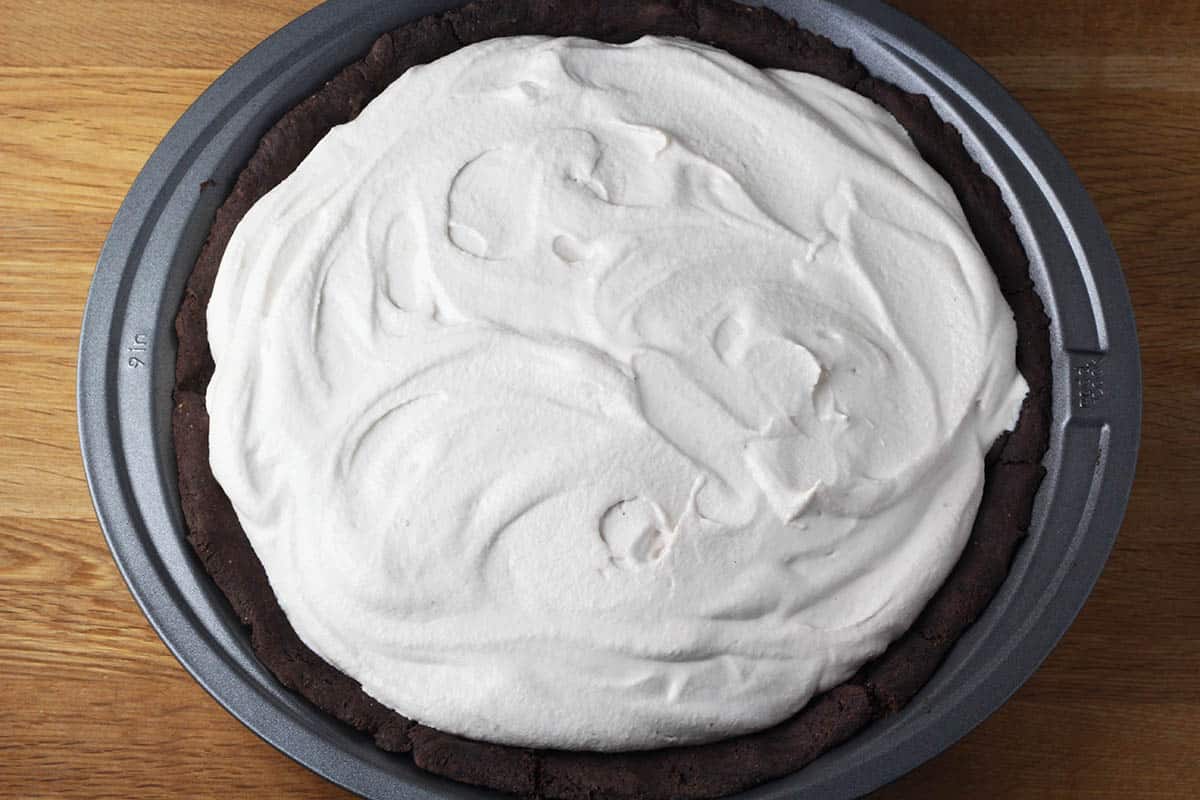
{"x": 764, "y": 39}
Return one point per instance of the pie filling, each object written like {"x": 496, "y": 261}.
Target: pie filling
{"x": 607, "y": 397}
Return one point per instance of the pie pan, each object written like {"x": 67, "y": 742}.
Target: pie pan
{"x": 127, "y": 361}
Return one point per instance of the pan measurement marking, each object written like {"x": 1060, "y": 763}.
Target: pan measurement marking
{"x": 139, "y": 351}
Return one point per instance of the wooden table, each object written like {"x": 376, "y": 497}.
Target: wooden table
{"x": 93, "y": 705}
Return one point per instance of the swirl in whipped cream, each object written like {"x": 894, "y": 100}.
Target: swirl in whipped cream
{"x": 606, "y": 397}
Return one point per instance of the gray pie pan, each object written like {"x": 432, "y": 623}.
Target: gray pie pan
{"x": 127, "y": 359}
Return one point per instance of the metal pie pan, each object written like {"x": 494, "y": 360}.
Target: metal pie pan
{"x": 127, "y": 361}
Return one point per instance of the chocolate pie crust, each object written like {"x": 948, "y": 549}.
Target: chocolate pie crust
{"x": 1013, "y": 465}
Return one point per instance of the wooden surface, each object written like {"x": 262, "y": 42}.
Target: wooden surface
{"x": 92, "y": 704}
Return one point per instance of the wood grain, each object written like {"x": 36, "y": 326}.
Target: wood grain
{"x": 94, "y": 706}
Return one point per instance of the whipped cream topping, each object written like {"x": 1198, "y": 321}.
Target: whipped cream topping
{"x": 606, "y": 397}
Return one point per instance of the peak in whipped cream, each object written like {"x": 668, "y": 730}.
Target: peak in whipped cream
{"x": 606, "y": 397}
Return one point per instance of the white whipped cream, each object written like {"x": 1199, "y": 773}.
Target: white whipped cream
{"x": 606, "y": 397}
